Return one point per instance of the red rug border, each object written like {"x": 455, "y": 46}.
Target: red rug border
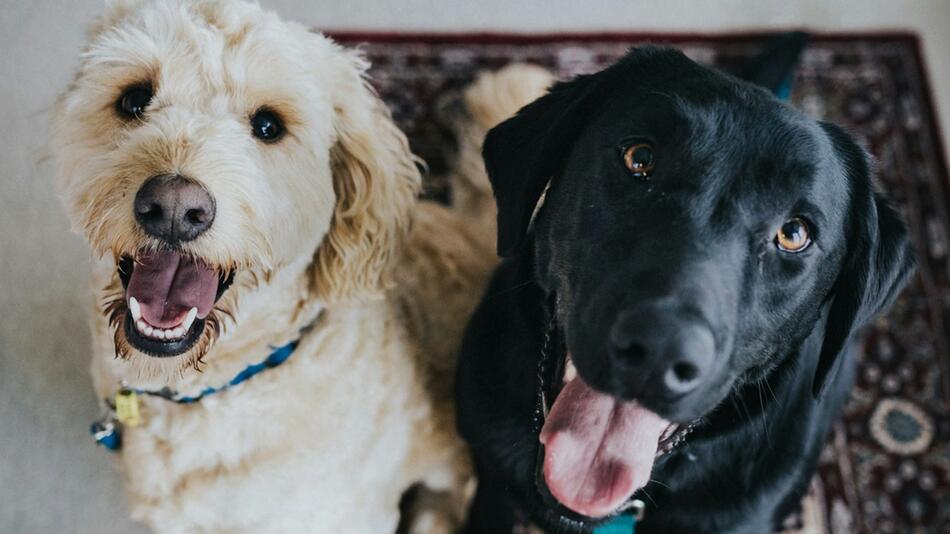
{"x": 464, "y": 37}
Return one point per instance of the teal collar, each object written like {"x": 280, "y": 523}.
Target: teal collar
{"x": 107, "y": 431}
{"x": 621, "y": 524}
{"x": 626, "y": 522}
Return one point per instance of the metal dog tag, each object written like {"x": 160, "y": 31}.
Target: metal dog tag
{"x": 127, "y": 408}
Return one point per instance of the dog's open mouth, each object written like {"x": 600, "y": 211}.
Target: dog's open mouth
{"x": 597, "y": 450}
{"x": 169, "y": 296}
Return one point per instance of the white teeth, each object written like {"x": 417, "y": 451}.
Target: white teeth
{"x": 135, "y": 309}
{"x": 189, "y": 319}
{"x": 570, "y": 372}
{"x": 160, "y": 333}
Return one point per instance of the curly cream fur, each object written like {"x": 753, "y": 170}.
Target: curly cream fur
{"x": 328, "y": 245}
{"x": 376, "y": 182}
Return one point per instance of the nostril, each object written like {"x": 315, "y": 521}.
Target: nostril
{"x": 681, "y": 378}
{"x": 196, "y": 216}
{"x": 632, "y": 354}
{"x": 685, "y": 372}
{"x": 151, "y": 211}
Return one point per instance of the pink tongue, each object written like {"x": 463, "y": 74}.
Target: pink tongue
{"x": 597, "y": 450}
{"x": 167, "y": 285}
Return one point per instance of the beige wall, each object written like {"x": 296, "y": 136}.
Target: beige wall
{"x": 51, "y": 476}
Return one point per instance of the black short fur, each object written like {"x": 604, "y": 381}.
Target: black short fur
{"x": 732, "y": 163}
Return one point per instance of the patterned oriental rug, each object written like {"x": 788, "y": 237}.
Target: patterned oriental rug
{"x": 886, "y": 467}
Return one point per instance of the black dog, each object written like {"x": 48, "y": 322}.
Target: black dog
{"x": 676, "y": 322}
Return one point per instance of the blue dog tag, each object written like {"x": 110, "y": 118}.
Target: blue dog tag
{"x": 106, "y": 433}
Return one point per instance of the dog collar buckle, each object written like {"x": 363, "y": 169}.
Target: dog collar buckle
{"x": 636, "y": 508}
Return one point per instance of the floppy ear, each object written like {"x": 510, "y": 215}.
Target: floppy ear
{"x": 879, "y": 261}
{"x": 376, "y": 182}
{"x": 774, "y": 67}
{"x": 523, "y": 153}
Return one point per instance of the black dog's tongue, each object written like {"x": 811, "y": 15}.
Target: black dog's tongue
{"x": 167, "y": 285}
{"x": 598, "y": 450}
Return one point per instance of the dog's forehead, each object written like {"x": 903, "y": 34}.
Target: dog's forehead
{"x": 726, "y": 134}
{"x": 755, "y": 135}
{"x": 204, "y": 48}
{"x": 726, "y": 148}
{"x": 764, "y": 159}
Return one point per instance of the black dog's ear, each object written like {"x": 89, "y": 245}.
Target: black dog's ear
{"x": 879, "y": 261}
{"x": 522, "y": 153}
{"x": 774, "y": 67}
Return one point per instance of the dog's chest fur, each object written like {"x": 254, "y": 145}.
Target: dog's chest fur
{"x": 286, "y": 449}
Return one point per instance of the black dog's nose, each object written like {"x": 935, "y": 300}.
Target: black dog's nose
{"x": 659, "y": 353}
{"x": 173, "y": 208}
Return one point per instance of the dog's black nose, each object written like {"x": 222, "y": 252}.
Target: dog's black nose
{"x": 173, "y": 208}
{"x": 659, "y": 353}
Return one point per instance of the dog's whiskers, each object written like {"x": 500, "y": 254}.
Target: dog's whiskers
{"x": 648, "y": 496}
{"x": 513, "y": 288}
{"x": 765, "y": 423}
{"x": 771, "y": 391}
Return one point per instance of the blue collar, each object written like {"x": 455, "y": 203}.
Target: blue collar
{"x": 276, "y": 358}
{"x": 107, "y": 430}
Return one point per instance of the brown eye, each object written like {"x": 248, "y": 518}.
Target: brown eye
{"x": 639, "y": 159}
{"x": 793, "y": 236}
{"x": 134, "y": 100}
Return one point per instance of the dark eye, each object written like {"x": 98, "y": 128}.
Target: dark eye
{"x": 267, "y": 126}
{"x": 639, "y": 159}
{"x": 134, "y": 100}
{"x": 794, "y": 236}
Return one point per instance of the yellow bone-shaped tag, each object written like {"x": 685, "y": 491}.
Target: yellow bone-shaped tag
{"x": 127, "y": 408}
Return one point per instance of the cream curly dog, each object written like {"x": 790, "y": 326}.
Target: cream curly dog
{"x": 250, "y": 199}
